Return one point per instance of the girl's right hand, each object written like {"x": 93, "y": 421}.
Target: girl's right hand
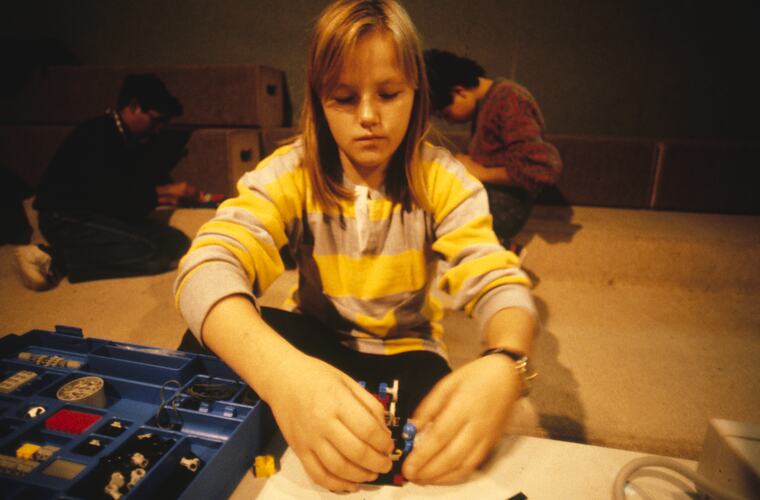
{"x": 333, "y": 424}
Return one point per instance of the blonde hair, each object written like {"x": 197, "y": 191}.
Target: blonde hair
{"x": 335, "y": 34}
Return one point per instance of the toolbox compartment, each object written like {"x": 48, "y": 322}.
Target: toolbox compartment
{"x": 186, "y": 420}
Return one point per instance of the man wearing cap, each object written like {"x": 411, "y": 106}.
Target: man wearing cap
{"x": 98, "y": 192}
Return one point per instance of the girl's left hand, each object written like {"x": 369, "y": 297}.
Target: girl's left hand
{"x": 461, "y": 419}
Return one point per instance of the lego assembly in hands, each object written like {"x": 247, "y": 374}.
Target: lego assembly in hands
{"x": 403, "y": 436}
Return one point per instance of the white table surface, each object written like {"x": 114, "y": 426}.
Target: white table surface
{"x": 539, "y": 468}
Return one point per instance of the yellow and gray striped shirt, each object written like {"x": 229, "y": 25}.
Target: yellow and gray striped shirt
{"x": 367, "y": 274}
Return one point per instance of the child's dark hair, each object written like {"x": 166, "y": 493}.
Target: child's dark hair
{"x": 446, "y": 70}
{"x": 150, "y": 92}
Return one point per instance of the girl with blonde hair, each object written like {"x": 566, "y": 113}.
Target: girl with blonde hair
{"x": 367, "y": 208}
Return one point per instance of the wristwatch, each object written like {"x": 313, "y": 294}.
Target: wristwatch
{"x": 523, "y": 367}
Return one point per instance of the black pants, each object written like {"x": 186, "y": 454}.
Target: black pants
{"x": 510, "y": 208}
{"x": 417, "y": 372}
{"x": 89, "y": 246}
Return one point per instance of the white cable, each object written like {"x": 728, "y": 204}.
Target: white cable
{"x": 703, "y": 484}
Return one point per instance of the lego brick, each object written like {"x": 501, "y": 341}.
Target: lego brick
{"x": 240, "y": 95}
{"x": 71, "y": 422}
{"x": 16, "y": 380}
{"x": 49, "y": 360}
{"x": 717, "y": 177}
{"x": 27, "y": 451}
{"x": 17, "y": 466}
{"x": 45, "y": 452}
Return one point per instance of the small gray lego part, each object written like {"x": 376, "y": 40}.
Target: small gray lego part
{"x": 190, "y": 464}
{"x": 17, "y": 466}
{"x": 46, "y": 452}
{"x": 35, "y": 411}
{"x": 118, "y": 479}
{"x": 139, "y": 460}
{"x": 135, "y": 477}
{"x": 49, "y": 361}
{"x": 16, "y": 380}
{"x": 112, "y": 491}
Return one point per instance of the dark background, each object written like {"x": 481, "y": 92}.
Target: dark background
{"x": 665, "y": 69}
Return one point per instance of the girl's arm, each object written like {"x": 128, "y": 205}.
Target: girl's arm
{"x": 335, "y": 427}
{"x": 464, "y": 415}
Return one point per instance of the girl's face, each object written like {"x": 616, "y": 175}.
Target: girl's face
{"x": 368, "y": 111}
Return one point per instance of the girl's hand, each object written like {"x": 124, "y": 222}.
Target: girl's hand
{"x": 333, "y": 424}
{"x": 461, "y": 419}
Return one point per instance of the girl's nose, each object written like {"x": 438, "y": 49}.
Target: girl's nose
{"x": 368, "y": 113}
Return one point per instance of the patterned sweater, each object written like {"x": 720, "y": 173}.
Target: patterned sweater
{"x": 367, "y": 275}
{"x": 508, "y": 132}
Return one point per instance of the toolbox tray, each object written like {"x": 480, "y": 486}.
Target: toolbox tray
{"x": 143, "y": 399}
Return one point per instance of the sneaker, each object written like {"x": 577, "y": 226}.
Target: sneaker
{"x": 35, "y": 267}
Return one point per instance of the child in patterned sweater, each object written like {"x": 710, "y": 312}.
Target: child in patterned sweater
{"x": 507, "y": 150}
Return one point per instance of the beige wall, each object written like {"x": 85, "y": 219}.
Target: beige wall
{"x": 635, "y": 68}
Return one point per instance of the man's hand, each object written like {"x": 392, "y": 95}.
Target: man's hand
{"x": 172, "y": 194}
{"x": 461, "y": 419}
{"x": 333, "y": 424}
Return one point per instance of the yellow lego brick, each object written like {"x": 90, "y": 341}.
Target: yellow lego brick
{"x": 264, "y": 466}
{"x": 27, "y": 451}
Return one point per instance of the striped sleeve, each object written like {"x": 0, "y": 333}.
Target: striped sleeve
{"x": 482, "y": 277}
{"x": 237, "y": 251}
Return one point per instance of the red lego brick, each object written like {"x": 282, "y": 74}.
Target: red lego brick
{"x": 71, "y": 422}
{"x": 385, "y": 399}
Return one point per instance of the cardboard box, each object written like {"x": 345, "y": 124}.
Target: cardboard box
{"x": 240, "y": 95}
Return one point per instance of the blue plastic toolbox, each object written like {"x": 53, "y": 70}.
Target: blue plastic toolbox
{"x": 88, "y": 418}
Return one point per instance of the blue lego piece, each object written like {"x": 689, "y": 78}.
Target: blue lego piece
{"x": 408, "y": 433}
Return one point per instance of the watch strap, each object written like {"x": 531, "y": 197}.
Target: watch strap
{"x": 522, "y": 367}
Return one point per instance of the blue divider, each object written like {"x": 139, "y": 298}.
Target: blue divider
{"x": 145, "y": 393}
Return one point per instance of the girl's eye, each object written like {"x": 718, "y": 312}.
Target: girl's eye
{"x": 343, "y": 100}
{"x": 387, "y": 96}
